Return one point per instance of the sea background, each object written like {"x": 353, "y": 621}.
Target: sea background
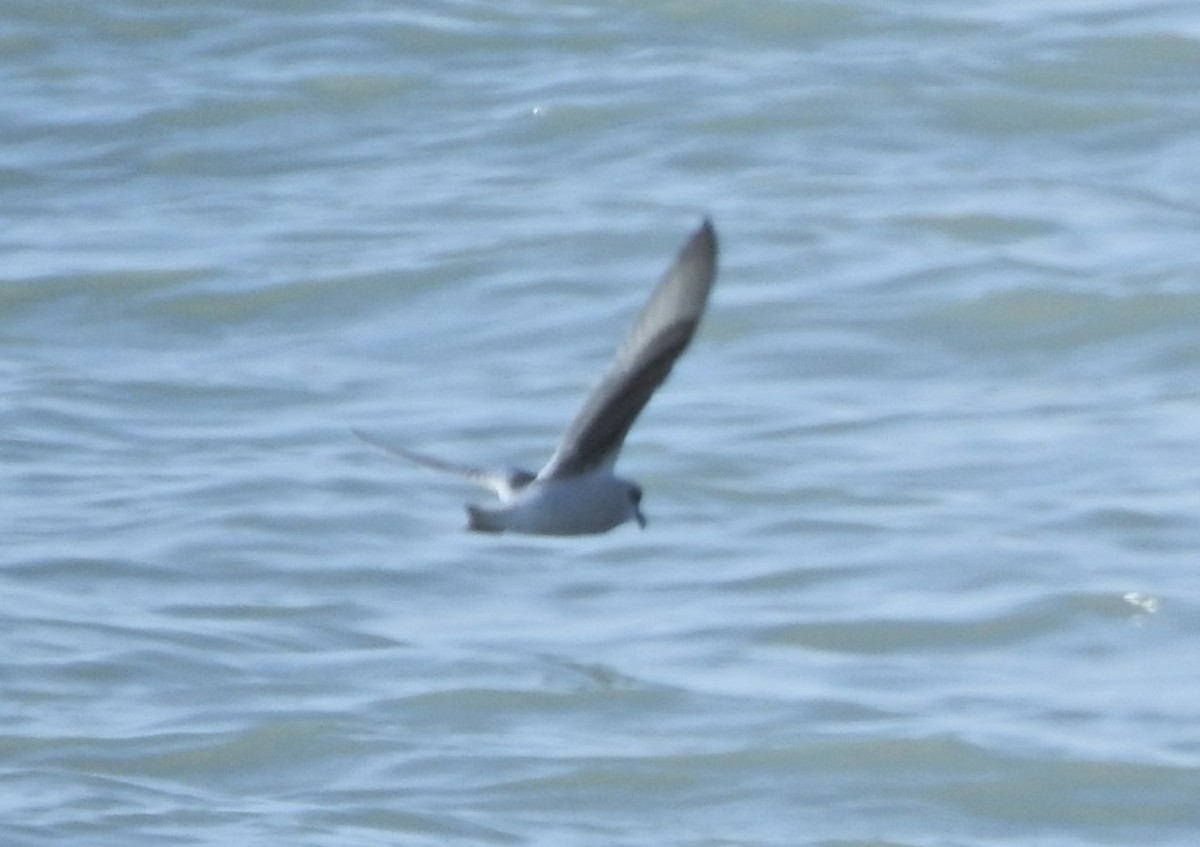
{"x": 923, "y": 560}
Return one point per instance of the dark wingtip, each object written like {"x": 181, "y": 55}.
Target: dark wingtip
{"x": 704, "y": 239}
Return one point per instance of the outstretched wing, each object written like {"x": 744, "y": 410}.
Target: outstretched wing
{"x": 661, "y": 334}
{"x": 504, "y": 483}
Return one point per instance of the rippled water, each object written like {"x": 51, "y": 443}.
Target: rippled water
{"x": 923, "y": 497}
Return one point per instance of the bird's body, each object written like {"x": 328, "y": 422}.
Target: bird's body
{"x": 577, "y": 505}
{"x": 576, "y": 493}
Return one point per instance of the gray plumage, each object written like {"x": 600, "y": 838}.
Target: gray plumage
{"x": 662, "y": 332}
{"x": 576, "y": 492}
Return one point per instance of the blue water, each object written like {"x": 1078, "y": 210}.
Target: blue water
{"x": 921, "y": 565}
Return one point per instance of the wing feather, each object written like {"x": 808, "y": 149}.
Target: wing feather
{"x": 504, "y": 483}
{"x": 662, "y": 332}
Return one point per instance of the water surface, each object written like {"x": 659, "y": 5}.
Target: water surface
{"x": 920, "y": 567}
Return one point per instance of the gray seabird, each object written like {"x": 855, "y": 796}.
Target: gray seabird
{"x": 576, "y": 493}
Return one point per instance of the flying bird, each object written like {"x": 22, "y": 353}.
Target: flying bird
{"x": 577, "y": 493}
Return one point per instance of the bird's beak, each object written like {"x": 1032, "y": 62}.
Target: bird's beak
{"x": 639, "y": 517}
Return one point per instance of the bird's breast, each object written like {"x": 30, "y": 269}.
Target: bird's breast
{"x": 577, "y": 505}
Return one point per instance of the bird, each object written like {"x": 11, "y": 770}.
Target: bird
{"x": 577, "y": 492}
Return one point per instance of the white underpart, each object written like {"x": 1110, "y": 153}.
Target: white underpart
{"x": 578, "y": 505}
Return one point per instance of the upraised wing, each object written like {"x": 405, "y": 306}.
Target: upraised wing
{"x": 662, "y": 332}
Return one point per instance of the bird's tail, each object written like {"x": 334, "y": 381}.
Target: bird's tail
{"x": 480, "y": 519}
